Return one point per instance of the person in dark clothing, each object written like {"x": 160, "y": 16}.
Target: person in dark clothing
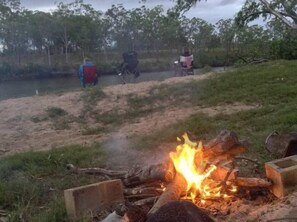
{"x": 130, "y": 63}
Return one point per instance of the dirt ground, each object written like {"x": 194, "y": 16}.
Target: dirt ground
{"x": 18, "y": 133}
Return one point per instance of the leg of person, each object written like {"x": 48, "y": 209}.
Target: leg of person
{"x": 96, "y": 81}
{"x": 136, "y": 73}
{"x": 82, "y": 82}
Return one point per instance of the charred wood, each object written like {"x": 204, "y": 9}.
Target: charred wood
{"x": 173, "y": 192}
{"x": 163, "y": 172}
{"x": 146, "y": 201}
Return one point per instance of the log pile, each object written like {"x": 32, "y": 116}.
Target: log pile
{"x": 157, "y": 185}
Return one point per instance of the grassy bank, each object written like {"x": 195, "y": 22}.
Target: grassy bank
{"x": 271, "y": 87}
{"x": 31, "y": 184}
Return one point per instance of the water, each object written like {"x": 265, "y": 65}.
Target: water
{"x": 22, "y": 88}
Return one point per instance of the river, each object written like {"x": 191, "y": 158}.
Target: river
{"x": 22, "y": 88}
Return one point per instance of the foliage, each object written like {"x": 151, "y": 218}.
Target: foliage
{"x": 54, "y": 112}
{"x": 283, "y": 10}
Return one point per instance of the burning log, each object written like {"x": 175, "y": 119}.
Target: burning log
{"x": 225, "y": 147}
{"x": 252, "y": 182}
{"x": 173, "y": 192}
{"x": 163, "y": 172}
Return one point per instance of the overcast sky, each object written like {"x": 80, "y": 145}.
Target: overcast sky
{"x": 211, "y": 11}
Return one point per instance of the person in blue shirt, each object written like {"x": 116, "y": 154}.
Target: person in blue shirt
{"x": 88, "y": 73}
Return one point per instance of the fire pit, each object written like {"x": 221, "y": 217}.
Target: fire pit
{"x": 208, "y": 176}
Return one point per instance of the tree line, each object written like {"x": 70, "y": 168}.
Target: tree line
{"x": 79, "y": 29}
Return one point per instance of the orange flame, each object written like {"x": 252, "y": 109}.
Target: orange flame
{"x": 188, "y": 161}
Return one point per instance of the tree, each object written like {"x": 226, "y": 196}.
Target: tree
{"x": 253, "y": 43}
{"x": 284, "y": 40}
{"x": 227, "y": 31}
{"x": 284, "y": 10}
{"x": 41, "y": 27}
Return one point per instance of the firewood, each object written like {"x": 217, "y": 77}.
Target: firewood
{"x": 97, "y": 171}
{"x": 256, "y": 162}
{"x": 173, "y": 192}
{"x": 163, "y": 172}
{"x": 224, "y": 185}
{"x": 139, "y": 196}
{"x": 252, "y": 182}
{"x": 143, "y": 190}
{"x": 146, "y": 201}
{"x": 225, "y": 143}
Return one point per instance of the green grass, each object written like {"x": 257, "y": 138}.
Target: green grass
{"x": 91, "y": 96}
{"x": 270, "y": 86}
{"x": 32, "y": 183}
{"x": 54, "y": 112}
{"x": 60, "y": 118}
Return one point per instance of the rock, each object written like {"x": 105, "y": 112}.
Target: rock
{"x": 180, "y": 211}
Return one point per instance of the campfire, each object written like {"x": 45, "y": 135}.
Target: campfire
{"x": 194, "y": 172}
{"x": 190, "y": 162}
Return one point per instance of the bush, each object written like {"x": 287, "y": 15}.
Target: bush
{"x": 53, "y": 112}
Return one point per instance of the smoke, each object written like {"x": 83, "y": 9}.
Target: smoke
{"x": 120, "y": 154}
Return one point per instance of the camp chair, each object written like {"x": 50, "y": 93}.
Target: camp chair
{"x": 129, "y": 71}
{"x": 90, "y": 75}
{"x": 186, "y": 63}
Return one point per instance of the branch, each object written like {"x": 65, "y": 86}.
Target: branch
{"x": 289, "y": 10}
{"x": 278, "y": 15}
{"x": 96, "y": 171}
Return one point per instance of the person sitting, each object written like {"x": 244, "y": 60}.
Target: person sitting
{"x": 185, "y": 64}
{"x": 130, "y": 63}
{"x": 88, "y": 73}
{"x": 186, "y": 59}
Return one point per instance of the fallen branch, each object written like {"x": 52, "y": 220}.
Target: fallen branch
{"x": 97, "y": 171}
{"x": 248, "y": 159}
